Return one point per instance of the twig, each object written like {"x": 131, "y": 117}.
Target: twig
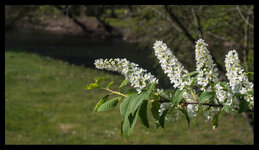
{"x": 114, "y": 92}
{"x": 206, "y": 104}
{"x": 197, "y": 22}
{"x": 191, "y": 103}
{"x": 242, "y": 16}
{"x": 174, "y": 17}
{"x": 166, "y": 17}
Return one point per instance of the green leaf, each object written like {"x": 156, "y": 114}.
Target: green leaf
{"x": 129, "y": 123}
{"x": 125, "y": 128}
{"x": 243, "y": 106}
{"x": 194, "y": 79}
{"x": 92, "y": 85}
{"x": 137, "y": 101}
{"x": 99, "y": 79}
{"x": 250, "y": 92}
{"x": 198, "y": 112}
{"x": 226, "y": 108}
{"x": 124, "y": 83}
{"x": 162, "y": 118}
{"x": 150, "y": 88}
{"x": 143, "y": 113}
{"x": 132, "y": 120}
{"x": 154, "y": 97}
{"x": 110, "y": 84}
{"x": 177, "y": 97}
{"x": 155, "y": 112}
{"x": 103, "y": 100}
{"x": 184, "y": 111}
{"x": 252, "y": 73}
{"x": 169, "y": 91}
{"x": 128, "y": 119}
{"x": 238, "y": 95}
{"x": 131, "y": 91}
{"x": 224, "y": 85}
{"x": 190, "y": 74}
{"x": 215, "y": 120}
{"x": 109, "y": 104}
{"x": 122, "y": 134}
{"x": 124, "y": 106}
{"x": 205, "y": 96}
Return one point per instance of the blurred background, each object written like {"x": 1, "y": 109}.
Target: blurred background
{"x": 49, "y": 58}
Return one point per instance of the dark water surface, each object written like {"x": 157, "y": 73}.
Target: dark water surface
{"x": 75, "y": 49}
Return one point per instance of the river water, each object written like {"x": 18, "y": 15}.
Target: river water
{"x": 75, "y": 49}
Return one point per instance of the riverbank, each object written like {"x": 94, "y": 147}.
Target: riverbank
{"x": 121, "y": 29}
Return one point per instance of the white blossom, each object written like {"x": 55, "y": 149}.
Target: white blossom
{"x": 220, "y": 93}
{"x": 192, "y": 110}
{"x": 205, "y": 66}
{"x": 137, "y": 76}
{"x": 238, "y": 81}
{"x": 225, "y": 97}
{"x": 171, "y": 66}
{"x": 188, "y": 96}
{"x": 162, "y": 93}
{"x": 165, "y": 106}
{"x": 172, "y": 114}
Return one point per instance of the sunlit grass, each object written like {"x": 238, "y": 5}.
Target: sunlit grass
{"x": 46, "y": 103}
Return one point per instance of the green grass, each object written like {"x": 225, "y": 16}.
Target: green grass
{"x": 46, "y": 103}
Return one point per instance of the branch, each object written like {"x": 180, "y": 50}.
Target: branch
{"x": 185, "y": 31}
{"x": 114, "y": 92}
{"x": 167, "y": 18}
{"x": 245, "y": 59}
{"x": 217, "y": 36}
{"x": 193, "y": 103}
{"x": 242, "y": 16}
{"x": 198, "y": 22}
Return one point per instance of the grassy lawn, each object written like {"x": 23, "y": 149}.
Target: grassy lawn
{"x": 46, "y": 103}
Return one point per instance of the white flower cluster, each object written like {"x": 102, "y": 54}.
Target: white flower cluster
{"x": 137, "y": 76}
{"x": 172, "y": 114}
{"x": 221, "y": 94}
{"x": 171, "y": 66}
{"x": 192, "y": 110}
{"x": 238, "y": 81}
{"x": 205, "y": 66}
{"x": 162, "y": 93}
{"x": 165, "y": 106}
{"x": 226, "y": 97}
{"x": 188, "y": 96}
